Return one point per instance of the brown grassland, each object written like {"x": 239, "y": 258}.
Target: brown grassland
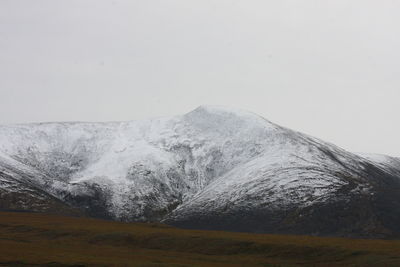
{"x": 29, "y": 239}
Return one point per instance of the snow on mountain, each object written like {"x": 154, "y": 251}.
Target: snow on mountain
{"x": 387, "y": 163}
{"x": 201, "y": 169}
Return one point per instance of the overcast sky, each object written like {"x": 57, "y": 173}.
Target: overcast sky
{"x": 327, "y": 68}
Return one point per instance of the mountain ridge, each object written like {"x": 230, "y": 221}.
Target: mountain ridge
{"x": 211, "y": 168}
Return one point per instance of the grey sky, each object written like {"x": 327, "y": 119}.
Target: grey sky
{"x": 327, "y": 68}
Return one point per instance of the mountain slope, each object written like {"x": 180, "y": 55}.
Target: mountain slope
{"x": 212, "y": 168}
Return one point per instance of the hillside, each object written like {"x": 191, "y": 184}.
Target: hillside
{"x": 212, "y": 168}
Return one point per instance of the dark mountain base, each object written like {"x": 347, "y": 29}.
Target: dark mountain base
{"x": 344, "y": 219}
{"x": 18, "y": 196}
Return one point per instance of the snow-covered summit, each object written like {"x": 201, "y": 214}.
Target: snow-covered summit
{"x": 226, "y": 117}
{"x": 208, "y": 163}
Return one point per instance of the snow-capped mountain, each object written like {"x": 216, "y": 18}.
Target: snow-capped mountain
{"x": 212, "y": 168}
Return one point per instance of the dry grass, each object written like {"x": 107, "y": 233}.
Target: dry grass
{"x": 28, "y": 239}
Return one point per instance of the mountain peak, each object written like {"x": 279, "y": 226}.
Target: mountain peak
{"x": 222, "y": 117}
{"x": 214, "y": 167}
{"x": 216, "y": 109}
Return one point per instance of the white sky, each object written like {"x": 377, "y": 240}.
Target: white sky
{"x": 327, "y": 68}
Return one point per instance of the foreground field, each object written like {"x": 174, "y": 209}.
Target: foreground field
{"x": 28, "y": 239}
